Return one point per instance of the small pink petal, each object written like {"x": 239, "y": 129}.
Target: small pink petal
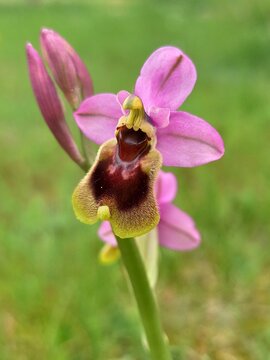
{"x": 106, "y": 234}
{"x": 121, "y": 97}
{"x": 166, "y": 79}
{"x": 189, "y": 141}
{"x": 165, "y": 187}
{"x": 97, "y": 117}
{"x": 176, "y": 229}
{"x": 159, "y": 116}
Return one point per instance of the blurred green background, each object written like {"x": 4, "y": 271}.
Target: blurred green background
{"x": 56, "y": 300}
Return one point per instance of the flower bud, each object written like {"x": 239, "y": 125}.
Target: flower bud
{"x": 50, "y": 105}
{"x": 67, "y": 68}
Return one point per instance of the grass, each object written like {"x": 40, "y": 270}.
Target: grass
{"x": 56, "y": 301}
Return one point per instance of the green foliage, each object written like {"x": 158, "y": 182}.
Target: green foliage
{"x": 56, "y": 301}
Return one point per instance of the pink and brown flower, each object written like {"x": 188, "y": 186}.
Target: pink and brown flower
{"x": 149, "y": 131}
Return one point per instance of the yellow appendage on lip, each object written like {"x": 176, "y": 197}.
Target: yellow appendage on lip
{"x": 103, "y": 213}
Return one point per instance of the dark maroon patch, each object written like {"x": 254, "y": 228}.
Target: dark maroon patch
{"x": 132, "y": 144}
{"x": 129, "y": 186}
{"x": 120, "y": 176}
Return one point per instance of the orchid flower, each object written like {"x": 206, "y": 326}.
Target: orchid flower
{"x": 149, "y": 132}
{"x": 176, "y": 229}
{"x": 165, "y": 81}
{"x": 138, "y": 133}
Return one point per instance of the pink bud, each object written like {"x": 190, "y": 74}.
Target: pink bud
{"x": 50, "y": 105}
{"x": 69, "y": 71}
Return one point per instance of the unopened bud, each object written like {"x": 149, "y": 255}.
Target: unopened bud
{"x": 67, "y": 68}
{"x": 50, "y": 105}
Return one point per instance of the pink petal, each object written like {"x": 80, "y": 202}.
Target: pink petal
{"x": 106, "y": 234}
{"x": 97, "y": 117}
{"x": 166, "y": 79}
{"x": 189, "y": 141}
{"x": 165, "y": 187}
{"x": 121, "y": 97}
{"x": 176, "y": 229}
{"x": 159, "y": 116}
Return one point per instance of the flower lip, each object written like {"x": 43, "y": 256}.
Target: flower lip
{"x": 123, "y": 194}
{"x": 132, "y": 144}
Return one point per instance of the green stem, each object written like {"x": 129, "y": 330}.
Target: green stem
{"x": 145, "y": 299}
{"x": 84, "y": 165}
{"x": 83, "y": 149}
{"x": 88, "y": 149}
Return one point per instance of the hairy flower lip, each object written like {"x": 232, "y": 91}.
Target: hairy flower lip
{"x": 127, "y": 192}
